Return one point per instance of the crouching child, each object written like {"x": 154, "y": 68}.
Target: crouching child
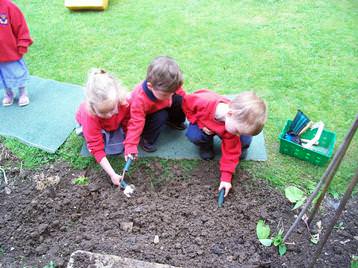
{"x": 155, "y": 102}
{"x": 234, "y": 121}
{"x": 103, "y": 117}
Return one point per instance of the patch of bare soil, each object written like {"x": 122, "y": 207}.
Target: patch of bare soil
{"x": 46, "y": 218}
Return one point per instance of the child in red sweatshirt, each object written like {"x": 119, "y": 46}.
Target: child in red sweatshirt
{"x": 103, "y": 117}
{"x": 155, "y": 102}
{"x": 234, "y": 121}
{"x": 14, "y": 41}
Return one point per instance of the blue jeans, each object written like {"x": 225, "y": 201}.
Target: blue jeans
{"x": 199, "y": 137}
{"x": 155, "y": 122}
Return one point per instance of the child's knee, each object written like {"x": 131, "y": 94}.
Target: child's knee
{"x": 195, "y": 134}
{"x": 157, "y": 119}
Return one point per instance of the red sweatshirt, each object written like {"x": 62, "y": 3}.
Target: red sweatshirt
{"x": 92, "y": 126}
{"x": 199, "y": 109}
{"x": 14, "y": 33}
{"x": 143, "y": 103}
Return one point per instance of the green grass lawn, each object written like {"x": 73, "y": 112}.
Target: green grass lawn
{"x": 295, "y": 54}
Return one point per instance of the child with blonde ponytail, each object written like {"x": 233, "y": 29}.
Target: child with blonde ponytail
{"x": 103, "y": 117}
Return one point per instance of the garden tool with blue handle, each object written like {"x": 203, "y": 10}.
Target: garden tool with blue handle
{"x": 221, "y": 197}
{"x": 128, "y": 189}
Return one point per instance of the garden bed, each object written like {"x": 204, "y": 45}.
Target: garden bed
{"x": 46, "y": 218}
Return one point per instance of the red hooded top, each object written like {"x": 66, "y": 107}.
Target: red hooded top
{"x": 199, "y": 108}
{"x": 14, "y": 33}
{"x": 143, "y": 103}
{"x": 92, "y": 126}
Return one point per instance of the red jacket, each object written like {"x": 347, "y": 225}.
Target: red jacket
{"x": 92, "y": 126}
{"x": 143, "y": 103}
{"x": 200, "y": 108}
{"x": 14, "y": 33}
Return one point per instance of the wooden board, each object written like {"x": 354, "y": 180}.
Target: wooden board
{"x": 86, "y": 4}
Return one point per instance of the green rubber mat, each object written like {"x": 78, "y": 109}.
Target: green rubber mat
{"x": 49, "y": 118}
{"x": 172, "y": 144}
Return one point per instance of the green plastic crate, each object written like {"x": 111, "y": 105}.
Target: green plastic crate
{"x": 318, "y": 155}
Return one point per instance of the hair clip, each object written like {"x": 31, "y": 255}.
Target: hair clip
{"x": 99, "y": 71}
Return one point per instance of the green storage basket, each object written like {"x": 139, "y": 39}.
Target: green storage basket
{"x": 317, "y": 155}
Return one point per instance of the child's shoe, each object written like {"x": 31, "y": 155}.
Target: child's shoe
{"x": 206, "y": 151}
{"x": 148, "y": 147}
{"x": 243, "y": 153}
{"x": 8, "y": 98}
{"x": 177, "y": 126}
{"x": 23, "y": 98}
{"x": 244, "y": 150}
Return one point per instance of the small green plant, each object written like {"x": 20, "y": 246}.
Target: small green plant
{"x": 314, "y": 238}
{"x": 278, "y": 242}
{"x": 51, "y": 264}
{"x": 339, "y": 226}
{"x": 295, "y": 196}
{"x": 81, "y": 181}
{"x": 263, "y": 234}
{"x": 2, "y": 251}
{"x": 354, "y": 261}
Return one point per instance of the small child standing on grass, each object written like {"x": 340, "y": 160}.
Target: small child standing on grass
{"x": 154, "y": 103}
{"x": 104, "y": 116}
{"x": 14, "y": 42}
{"x": 234, "y": 121}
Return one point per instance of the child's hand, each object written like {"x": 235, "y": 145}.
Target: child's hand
{"x": 226, "y": 185}
{"x": 132, "y": 156}
{"x": 207, "y": 131}
{"x": 116, "y": 179}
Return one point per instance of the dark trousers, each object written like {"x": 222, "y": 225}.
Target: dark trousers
{"x": 199, "y": 137}
{"x": 155, "y": 122}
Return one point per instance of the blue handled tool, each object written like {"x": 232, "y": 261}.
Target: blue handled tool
{"x": 221, "y": 198}
{"x": 127, "y": 189}
{"x": 128, "y": 164}
{"x": 123, "y": 184}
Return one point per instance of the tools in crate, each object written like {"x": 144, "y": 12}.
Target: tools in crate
{"x": 300, "y": 124}
{"x": 128, "y": 189}
{"x": 307, "y": 141}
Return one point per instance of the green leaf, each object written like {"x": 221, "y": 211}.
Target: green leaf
{"x": 299, "y": 203}
{"x": 81, "y": 181}
{"x": 266, "y": 242}
{"x": 282, "y": 249}
{"x": 293, "y": 194}
{"x": 278, "y": 239}
{"x": 262, "y": 230}
{"x": 314, "y": 239}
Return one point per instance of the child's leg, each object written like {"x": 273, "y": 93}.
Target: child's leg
{"x": 203, "y": 140}
{"x": 8, "y": 94}
{"x": 14, "y": 74}
{"x": 153, "y": 125}
{"x": 176, "y": 116}
{"x": 23, "y": 98}
{"x": 8, "y": 97}
{"x": 245, "y": 144}
{"x": 113, "y": 141}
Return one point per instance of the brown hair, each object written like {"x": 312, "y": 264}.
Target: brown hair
{"x": 250, "y": 110}
{"x": 164, "y": 74}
